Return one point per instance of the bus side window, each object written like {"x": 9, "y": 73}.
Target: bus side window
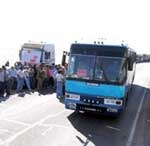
{"x": 131, "y": 60}
{"x": 130, "y": 63}
{"x": 123, "y": 72}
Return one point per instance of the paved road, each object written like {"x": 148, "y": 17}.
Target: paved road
{"x": 35, "y": 120}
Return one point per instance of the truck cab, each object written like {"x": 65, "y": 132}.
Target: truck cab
{"x": 37, "y": 53}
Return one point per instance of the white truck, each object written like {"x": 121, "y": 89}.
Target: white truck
{"x": 37, "y": 53}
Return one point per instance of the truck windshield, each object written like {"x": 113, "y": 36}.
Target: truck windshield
{"x": 97, "y": 68}
{"x": 31, "y": 55}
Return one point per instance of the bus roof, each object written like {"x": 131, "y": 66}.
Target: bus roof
{"x": 100, "y": 50}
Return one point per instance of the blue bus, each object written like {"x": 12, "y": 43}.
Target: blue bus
{"x": 99, "y": 77}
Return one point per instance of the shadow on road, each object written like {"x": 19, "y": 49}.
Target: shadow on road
{"x": 46, "y": 91}
{"x": 106, "y": 130}
{"x": 22, "y": 94}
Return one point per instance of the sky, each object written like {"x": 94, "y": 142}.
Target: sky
{"x": 61, "y": 22}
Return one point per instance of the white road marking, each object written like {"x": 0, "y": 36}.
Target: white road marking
{"x": 46, "y": 131}
{"x": 5, "y": 131}
{"x": 17, "y": 122}
{"x": 75, "y": 132}
{"x": 1, "y": 140}
{"x": 13, "y": 110}
{"x": 29, "y": 127}
{"x": 56, "y": 125}
{"x": 131, "y": 136}
{"x": 148, "y": 120}
{"x": 110, "y": 127}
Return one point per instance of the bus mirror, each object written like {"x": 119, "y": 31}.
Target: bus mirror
{"x": 130, "y": 64}
{"x": 64, "y": 57}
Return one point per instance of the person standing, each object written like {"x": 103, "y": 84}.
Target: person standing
{"x": 1, "y": 82}
{"x": 47, "y": 76}
{"x": 7, "y": 81}
{"x": 60, "y": 82}
{"x": 20, "y": 80}
{"x": 26, "y": 78}
{"x": 32, "y": 77}
{"x": 40, "y": 77}
{"x": 13, "y": 78}
{"x": 53, "y": 71}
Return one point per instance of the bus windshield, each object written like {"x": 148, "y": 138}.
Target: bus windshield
{"x": 110, "y": 69}
{"x": 97, "y": 68}
{"x": 81, "y": 67}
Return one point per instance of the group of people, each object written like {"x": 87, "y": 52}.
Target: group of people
{"x": 31, "y": 77}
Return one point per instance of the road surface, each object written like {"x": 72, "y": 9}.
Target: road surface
{"x": 42, "y": 120}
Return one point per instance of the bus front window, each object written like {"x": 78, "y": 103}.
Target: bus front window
{"x": 81, "y": 67}
{"x": 109, "y": 69}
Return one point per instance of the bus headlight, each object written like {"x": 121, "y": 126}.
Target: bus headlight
{"x": 72, "y": 106}
{"x": 72, "y": 96}
{"x": 113, "y": 102}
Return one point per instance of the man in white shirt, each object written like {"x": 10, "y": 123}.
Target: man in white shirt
{"x": 60, "y": 82}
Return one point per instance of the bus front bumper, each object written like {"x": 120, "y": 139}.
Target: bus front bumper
{"x": 101, "y": 108}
